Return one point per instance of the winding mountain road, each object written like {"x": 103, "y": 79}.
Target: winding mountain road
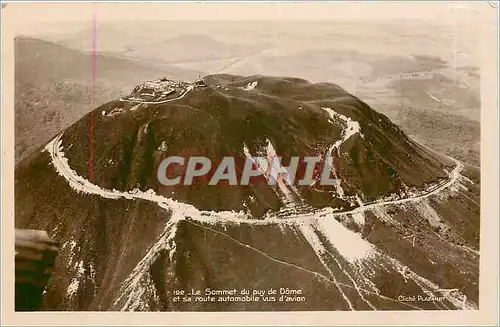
{"x": 304, "y": 222}
{"x": 80, "y": 184}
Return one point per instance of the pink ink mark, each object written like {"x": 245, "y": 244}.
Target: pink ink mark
{"x": 92, "y": 93}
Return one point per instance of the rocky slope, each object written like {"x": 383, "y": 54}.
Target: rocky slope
{"x": 403, "y": 223}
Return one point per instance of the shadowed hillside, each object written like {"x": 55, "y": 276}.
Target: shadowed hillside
{"x": 404, "y": 221}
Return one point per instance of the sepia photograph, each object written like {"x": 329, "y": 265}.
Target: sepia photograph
{"x": 208, "y": 163}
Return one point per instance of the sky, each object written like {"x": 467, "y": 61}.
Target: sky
{"x": 410, "y": 20}
{"x": 373, "y": 11}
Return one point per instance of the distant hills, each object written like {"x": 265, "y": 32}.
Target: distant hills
{"x": 383, "y": 79}
{"x": 53, "y": 87}
{"x": 179, "y": 49}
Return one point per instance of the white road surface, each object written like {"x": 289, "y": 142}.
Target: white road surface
{"x": 349, "y": 244}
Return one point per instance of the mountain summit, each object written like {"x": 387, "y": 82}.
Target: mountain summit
{"x": 402, "y": 223}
